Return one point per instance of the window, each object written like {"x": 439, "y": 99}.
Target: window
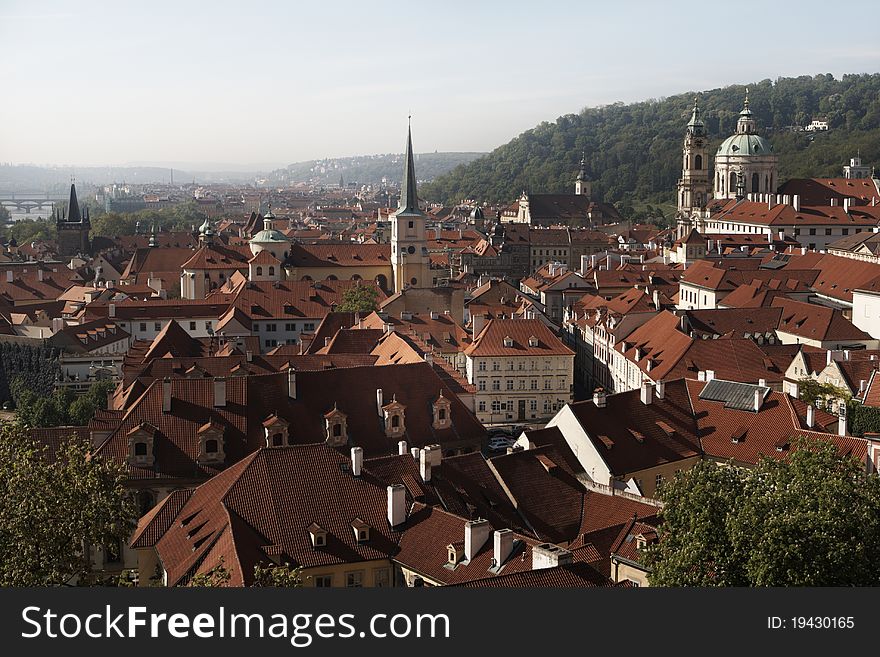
{"x": 277, "y": 440}
{"x": 290, "y": 328}
{"x": 207, "y": 326}
{"x": 395, "y": 421}
{"x": 546, "y": 405}
{"x": 259, "y": 271}
{"x": 496, "y": 406}
{"x": 658, "y": 481}
{"x": 271, "y": 343}
{"x": 481, "y": 385}
{"x": 481, "y": 366}
{"x": 496, "y": 366}
{"x": 256, "y": 328}
{"x": 411, "y": 224}
{"x": 548, "y": 383}
{"x": 698, "y": 162}
{"x": 533, "y": 405}
{"x": 145, "y": 500}
{"x": 381, "y": 578}
{"x": 812, "y": 231}
{"x": 192, "y": 326}
{"x": 509, "y": 384}
{"x": 323, "y": 581}
{"x": 441, "y": 414}
{"x": 481, "y": 408}
{"x": 846, "y": 231}
{"x": 157, "y": 326}
{"x": 355, "y": 580}
{"x": 496, "y": 384}
{"x": 337, "y": 430}
{"x": 211, "y": 446}
{"x": 309, "y": 326}
{"x": 140, "y": 449}
{"x": 827, "y": 231}
{"x": 271, "y": 271}
{"x": 143, "y": 326}
{"x": 271, "y": 328}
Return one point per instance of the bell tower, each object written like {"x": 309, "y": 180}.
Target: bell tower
{"x": 693, "y": 188}
{"x": 582, "y": 186}
{"x": 409, "y": 246}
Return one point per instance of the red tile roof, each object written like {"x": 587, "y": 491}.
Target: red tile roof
{"x": 491, "y": 340}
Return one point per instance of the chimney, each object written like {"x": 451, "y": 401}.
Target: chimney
{"x": 829, "y": 357}
{"x": 357, "y": 461}
{"x": 660, "y": 389}
{"x": 249, "y": 356}
{"x": 710, "y": 374}
{"x": 219, "y": 392}
{"x": 762, "y": 383}
{"x": 402, "y": 448}
{"x": 39, "y": 274}
{"x": 57, "y": 324}
{"x": 478, "y": 321}
{"x": 291, "y": 382}
{"x": 599, "y": 397}
{"x": 503, "y": 540}
{"x": 796, "y": 202}
{"x": 396, "y": 504}
{"x": 425, "y": 465}
{"x": 327, "y": 341}
{"x": 8, "y": 275}
{"x": 701, "y": 375}
{"x": 111, "y": 310}
{"x": 415, "y": 451}
{"x": 683, "y": 323}
{"x": 847, "y": 202}
{"x": 166, "y": 395}
{"x": 476, "y": 533}
{"x": 841, "y": 420}
{"x": 759, "y": 398}
{"x": 548, "y": 555}
{"x": 833, "y": 202}
{"x": 647, "y": 393}
{"x": 811, "y": 416}
{"x": 846, "y": 354}
{"x": 380, "y": 401}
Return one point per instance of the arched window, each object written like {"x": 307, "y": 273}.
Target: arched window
{"x": 699, "y": 200}
{"x": 732, "y": 186}
{"x": 277, "y": 440}
{"x": 687, "y": 161}
{"x": 766, "y": 183}
{"x": 259, "y": 271}
{"x": 271, "y": 271}
{"x": 337, "y": 430}
{"x": 331, "y": 277}
{"x": 211, "y": 446}
{"x": 698, "y": 162}
{"x": 756, "y": 181}
{"x": 395, "y": 421}
{"x": 145, "y": 501}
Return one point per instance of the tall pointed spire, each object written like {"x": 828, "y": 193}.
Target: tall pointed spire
{"x": 73, "y": 213}
{"x": 582, "y": 174}
{"x": 409, "y": 200}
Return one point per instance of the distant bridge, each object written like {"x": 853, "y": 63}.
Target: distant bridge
{"x": 27, "y": 201}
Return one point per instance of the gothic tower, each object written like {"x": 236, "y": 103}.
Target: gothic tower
{"x": 409, "y": 246}
{"x": 73, "y": 230}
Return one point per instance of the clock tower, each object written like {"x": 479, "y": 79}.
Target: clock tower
{"x": 693, "y": 188}
{"x": 409, "y": 246}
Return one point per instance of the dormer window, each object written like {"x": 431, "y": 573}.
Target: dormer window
{"x": 442, "y": 413}
{"x": 533, "y": 341}
{"x": 336, "y": 427}
{"x": 277, "y": 432}
{"x": 508, "y": 341}
{"x": 318, "y": 535}
{"x": 361, "y": 530}
{"x": 140, "y": 445}
{"x": 394, "y": 418}
{"x": 211, "y": 444}
{"x": 455, "y": 553}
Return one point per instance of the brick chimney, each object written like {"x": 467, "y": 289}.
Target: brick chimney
{"x": 476, "y": 533}
{"x": 396, "y": 504}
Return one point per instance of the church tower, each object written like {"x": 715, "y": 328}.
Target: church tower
{"x": 409, "y": 246}
{"x": 693, "y": 188}
{"x": 582, "y": 186}
{"x": 73, "y": 230}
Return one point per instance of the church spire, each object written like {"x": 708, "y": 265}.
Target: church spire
{"x": 409, "y": 200}
{"x": 73, "y": 213}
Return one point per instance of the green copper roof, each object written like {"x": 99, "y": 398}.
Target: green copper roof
{"x": 745, "y": 144}
{"x": 268, "y": 237}
{"x": 409, "y": 200}
{"x": 696, "y": 121}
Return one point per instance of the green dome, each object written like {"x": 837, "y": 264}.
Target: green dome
{"x": 745, "y": 144}
{"x": 269, "y": 236}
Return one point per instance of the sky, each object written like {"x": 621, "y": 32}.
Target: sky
{"x": 265, "y": 83}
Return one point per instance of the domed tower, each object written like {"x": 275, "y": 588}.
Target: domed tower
{"x": 747, "y": 153}
{"x": 693, "y": 187}
{"x": 270, "y": 240}
{"x": 206, "y": 233}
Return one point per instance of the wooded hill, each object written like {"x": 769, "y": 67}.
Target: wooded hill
{"x": 634, "y": 151}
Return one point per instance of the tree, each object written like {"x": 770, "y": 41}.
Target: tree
{"x": 285, "y": 576}
{"x": 4, "y": 214}
{"x": 811, "y": 519}
{"x": 359, "y": 299}
{"x": 217, "y": 576}
{"x": 60, "y": 407}
{"x": 820, "y": 394}
{"x": 53, "y": 507}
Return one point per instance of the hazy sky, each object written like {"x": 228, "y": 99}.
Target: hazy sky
{"x": 97, "y": 82}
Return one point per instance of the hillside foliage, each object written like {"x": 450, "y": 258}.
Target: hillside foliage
{"x": 633, "y": 151}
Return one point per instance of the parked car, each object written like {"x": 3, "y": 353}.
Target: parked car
{"x": 499, "y": 443}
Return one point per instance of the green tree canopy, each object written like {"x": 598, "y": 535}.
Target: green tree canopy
{"x": 60, "y": 407}
{"x": 812, "y": 519}
{"x": 359, "y": 299}
{"x": 52, "y": 506}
